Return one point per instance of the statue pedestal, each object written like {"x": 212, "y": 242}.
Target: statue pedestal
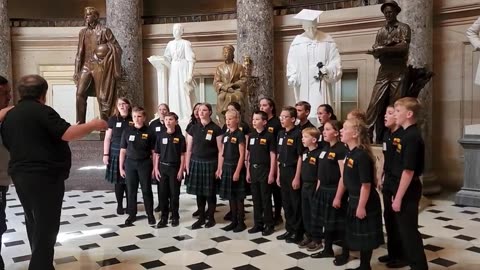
{"x": 469, "y": 195}
{"x": 162, "y": 77}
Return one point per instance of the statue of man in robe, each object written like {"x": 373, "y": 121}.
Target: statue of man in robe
{"x": 97, "y": 66}
{"x": 306, "y": 52}
{"x": 229, "y": 83}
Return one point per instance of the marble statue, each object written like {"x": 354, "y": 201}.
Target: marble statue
{"x": 474, "y": 38}
{"x": 229, "y": 83}
{"x": 97, "y": 66}
{"x": 306, "y": 52}
{"x": 391, "y": 49}
{"x": 181, "y": 59}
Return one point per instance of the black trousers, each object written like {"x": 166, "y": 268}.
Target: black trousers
{"x": 277, "y": 199}
{"x": 308, "y": 190}
{"x": 41, "y": 197}
{"x": 292, "y": 201}
{"x": 407, "y": 222}
{"x": 394, "y": 243}
{"x": 261, "y": 195}
{"x": 3, "y": 220}
{"x": 139, "y": 171}
{"x": 169, "y": 190}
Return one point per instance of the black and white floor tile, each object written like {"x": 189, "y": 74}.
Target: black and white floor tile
{"x": 92, "y": 236}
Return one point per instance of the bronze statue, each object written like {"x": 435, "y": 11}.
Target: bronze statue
{"x": 391, "y": 48}
{"x": 97, "y": 66}
{"x": 229, "y": 83}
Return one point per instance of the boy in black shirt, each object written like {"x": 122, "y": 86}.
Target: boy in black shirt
{"x": 408, "y": 165}
{"x": 261, "y": 168}
{"x": 303, "y": 111}
{"x": 289, "y": 153}
{"x": 169, "y": 164}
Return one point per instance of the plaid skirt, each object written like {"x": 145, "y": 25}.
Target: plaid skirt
{"x": 364, "y": 234}
{"x": 230, "y": 190}
{"x": 324, "y": 215}
{"x": 201, "y": 180}
{"x": 112, "y": 174}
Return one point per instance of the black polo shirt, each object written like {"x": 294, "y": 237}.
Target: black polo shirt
{"x": 306, "y": 125}
{"x": 157, "y": 127}
{"x": 231, "y": 142}
{"x": 409, "y": 154}
{"x": 310, "y": 161}
{"x": 170, "y": 147}
{"x": 204, "y": 145}
{"x": 243, "y": 127}
{"x": 260, "y": 146}
{"x": 289, "y": 146}
{"x": 328, "y": 169}
{"x": 390, "y": 142}
{"x": 32, "y": 133}
{"x": 358, "y": 170}
{"x": 138, "y": 142}
{"x": 274, "y": 126}
{"x": 118, "y": 124}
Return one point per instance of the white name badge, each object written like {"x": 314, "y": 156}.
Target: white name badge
{"x": 131, "y": 138}
{"x": 157, "y": 129}
{"x": 208, "y": 137}
{"x": 164, "y": 140}
{"x": 304, "y": 156}
{"x": 322, "y": 155}
{"x": 225, "y": 139}
{"x": 320, "y": 138}
{"x": 119, "y": 124}
{"x": 384, "y": 146}
{"x": 280, "y": 142}
{"x": 252, "y": 141}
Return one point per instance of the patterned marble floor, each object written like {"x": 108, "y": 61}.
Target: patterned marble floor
{"x": 93, "y": 237}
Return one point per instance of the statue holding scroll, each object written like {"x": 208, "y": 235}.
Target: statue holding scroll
{"x": 97, "y": 66}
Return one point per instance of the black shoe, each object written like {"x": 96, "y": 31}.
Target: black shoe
{"x": 228, "y": 216}
{"x": 396, "y": 264}
{"x": 151, "y": 220}
{"x": 284, "y": 235}
{"x": 268, "y": 230}
{"x": 162, "y": 223}
{"x": 278, "y": 220}
{"x": 157, "y": 209}
{"x": 360, "y": 268}
{"x": 198, "y": 224}
{"x": 304, "y": 243}
{"x": 341, "y": 259}
{"x": 130, "y": 220}
{"x": 384, "y": 259}
{"x": 196, "y": 213}
{"x": 210, "y": 223}
{"x": 294, "y": 238}
{"x": 120, "y": 210}
{"x": 175, "y": 222}
{"x": 323, "y": 254}
{"x": 255, "y": 229}
{"x": 230, "y": 226}
{"x": 240, "y": 227}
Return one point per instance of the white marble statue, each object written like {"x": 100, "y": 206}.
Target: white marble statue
{"x": 474, "y": 38}
{"x": 306, "y": 51}
{"x": 180, "y": 56}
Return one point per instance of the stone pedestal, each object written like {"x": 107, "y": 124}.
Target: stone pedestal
{"x": 255, "y": 39}
{"x": 5, "y": 42}
{"x": 469, "y": 195}
{"x": 162, "y": 77}
{"x": 419, "y": 15}
{"x": 123, "y": 17}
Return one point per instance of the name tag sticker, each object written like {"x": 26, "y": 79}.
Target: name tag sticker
{"x": 119, "y": 124}
{"x": 384, "y": 148}
{"x": 252, "y": 141}
{"x": 208, "y": 137}
{"x": 322, "y": 155}
{"x": 320, "y": 138}
{"x": 157, "y": 129}
{"x": 225, "y": 139}
{"x": 304, "y": 156}
{"x": 280, "y": 141}
{"x": 164, "y": 140}
{"x": 131, "y": 138}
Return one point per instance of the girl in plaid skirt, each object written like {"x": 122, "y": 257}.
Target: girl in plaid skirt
{"x": 111, "y": 149}
{"x": 364, "y": 216}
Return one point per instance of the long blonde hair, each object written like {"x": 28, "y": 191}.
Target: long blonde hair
{"x": 364, "y": 141}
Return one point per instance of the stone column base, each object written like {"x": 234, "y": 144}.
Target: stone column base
{"x": 468, "y": 197}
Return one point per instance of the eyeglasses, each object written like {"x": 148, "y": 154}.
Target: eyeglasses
{"x": 284, "y": 117}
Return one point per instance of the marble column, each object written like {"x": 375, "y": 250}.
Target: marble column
{"x": 255, "y": 39}
{"x": 123, "y": 17}
{"x": 419, "y": 15}
{"x": 5, "y": 42}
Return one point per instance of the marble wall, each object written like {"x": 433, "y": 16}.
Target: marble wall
{"x": 456, "y": 100}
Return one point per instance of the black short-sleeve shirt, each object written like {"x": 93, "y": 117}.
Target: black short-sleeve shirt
{"x": 389, "y": 147}
{"x": 321, "y": 142}
{"x": 358, "y": 170}
{"x": 306, "y": 125}
{"x": 118, "y": 124}
{"x": 231, "y": 142}
{"x": 310, "y": 161}
{"x": 243, "y": 127}
{"x": 204, "y": 145}
{"x": 32, "y": 132}
{"x": 328, "y": 169}
{"x": 138, "y": 142}
{"x": 260, "y": 146}
{"x": 274, "y": 126}
{"x": 157, "y": 127}
{"x": 289, "y": 146}
{"x": 170, "y": 147}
